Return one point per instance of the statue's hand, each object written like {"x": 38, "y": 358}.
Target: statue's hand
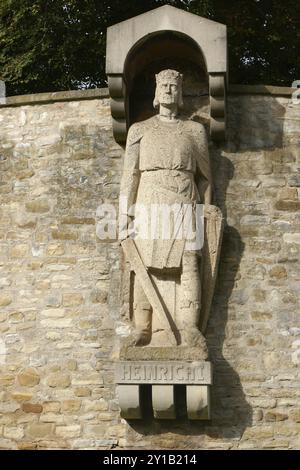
{"x": 211, "y": 211}
{"x": 124, "y": 227}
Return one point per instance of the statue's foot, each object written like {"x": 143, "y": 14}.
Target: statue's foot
{"x": 141, "y": 337}
{"x": 136, "y": 338}
{"x": 192, "y": 337}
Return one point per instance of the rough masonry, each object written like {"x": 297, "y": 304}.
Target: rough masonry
{"x": 60, "y": 319}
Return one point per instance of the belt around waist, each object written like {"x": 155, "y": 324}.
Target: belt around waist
{"x": 169, "y": 171}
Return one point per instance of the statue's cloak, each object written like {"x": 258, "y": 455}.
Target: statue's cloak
{"x": 165, "y": 166}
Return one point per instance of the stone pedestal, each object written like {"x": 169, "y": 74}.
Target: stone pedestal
{"x": 198, "y": 401}
{"x": 129, "y": 401}
{"x": 142, "y": 366}
{"x": 163, "y": 402}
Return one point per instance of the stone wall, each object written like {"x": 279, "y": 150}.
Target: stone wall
{"x": 59, "y": 283}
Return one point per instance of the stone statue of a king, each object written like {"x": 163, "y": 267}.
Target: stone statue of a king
{"x": 166, "y": 183}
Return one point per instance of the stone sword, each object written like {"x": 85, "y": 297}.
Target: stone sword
{"x": 143, "y": 275}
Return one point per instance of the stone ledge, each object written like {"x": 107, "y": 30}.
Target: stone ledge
{"x": 40, "y": 98}
{"x": 148, "y": 353}
{"x": 260, "y": 90}
{"x": 100, "y": 93}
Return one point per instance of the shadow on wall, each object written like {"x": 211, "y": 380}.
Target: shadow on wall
{"x": 231, "y": 413}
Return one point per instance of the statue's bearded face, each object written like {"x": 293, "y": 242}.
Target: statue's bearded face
{"x": 168, "y": 92}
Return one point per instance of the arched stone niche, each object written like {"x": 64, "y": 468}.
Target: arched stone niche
{"x": 165, "y": 49}
{"x": 167, "y": 37}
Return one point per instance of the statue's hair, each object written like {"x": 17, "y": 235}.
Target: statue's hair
{"x": 165, "y": 75}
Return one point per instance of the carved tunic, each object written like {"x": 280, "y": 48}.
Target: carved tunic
{"x": 165, "y": 164}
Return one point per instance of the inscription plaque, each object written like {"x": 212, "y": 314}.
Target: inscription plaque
{"x": 171, "y": 372}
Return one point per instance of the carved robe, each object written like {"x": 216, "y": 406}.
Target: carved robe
{"x": 165, "y": 163}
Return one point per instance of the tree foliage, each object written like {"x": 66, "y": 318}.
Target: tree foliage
{"x": 263, "y": 39}
{"x": 49, "y": 45}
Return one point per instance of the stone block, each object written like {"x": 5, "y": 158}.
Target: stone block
{"x": 95, "y": 405}
{"x": 294, "y": 180}
{"x": 78, "y": 220}
{"x": 27, "y": 445}
{"x": 72, "y": 299}
{"x": 51, "y": 406}
{"x": 8, "y": 407}
{"x": 261, "y": 316}
{"x": 163, "y": 372}
{"x": 71, "y": 406}
{"x": 278, "y": 272}
{"x": 163, "y": 402}
{"x": 40, "y": 430}
{"x": 53, "y": 312}
{"x": 129, "y": 401}
{"x": 57, "y": 322}
{"x": 295, "y": 415}
{"x": 52, "y": 418}
{"x": 82, "y": 392}
{"x": 288, "y": 194}
{"x": 14, "y": 433}
{"x": 7, "y": 379}
{"x": 28, "y": 377}
{"x": 198, "y": 402}
{"x": 98, "y": 296}
{"x": 87, "y": 379}
{"x": 40, "y": 206}
{"x": 32, "y": 408}
{"x": 21, "y": 396}
{"x": 68, "y": 432}
{"x": 64, "y": 235}
{"x": 286, "y": 205}
{"x": 19, "y": 251}
{"x": 59, "y": 380}
{"x": 5, "y": 300}
{"x": 7, "y": 444}
{"x": 53, "y": 335}
{"x": 55, "y": 249}
{"x": 275, "y": 415}
{"x": 24, "y": 220}
{"x": 291, "y": 238}
{"x": 71, "y": 364}
{"x": 259, "y": 432}
{"x": 94, "y": 430}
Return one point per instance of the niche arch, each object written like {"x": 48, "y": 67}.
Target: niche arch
{"x": 165, "y": 38}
